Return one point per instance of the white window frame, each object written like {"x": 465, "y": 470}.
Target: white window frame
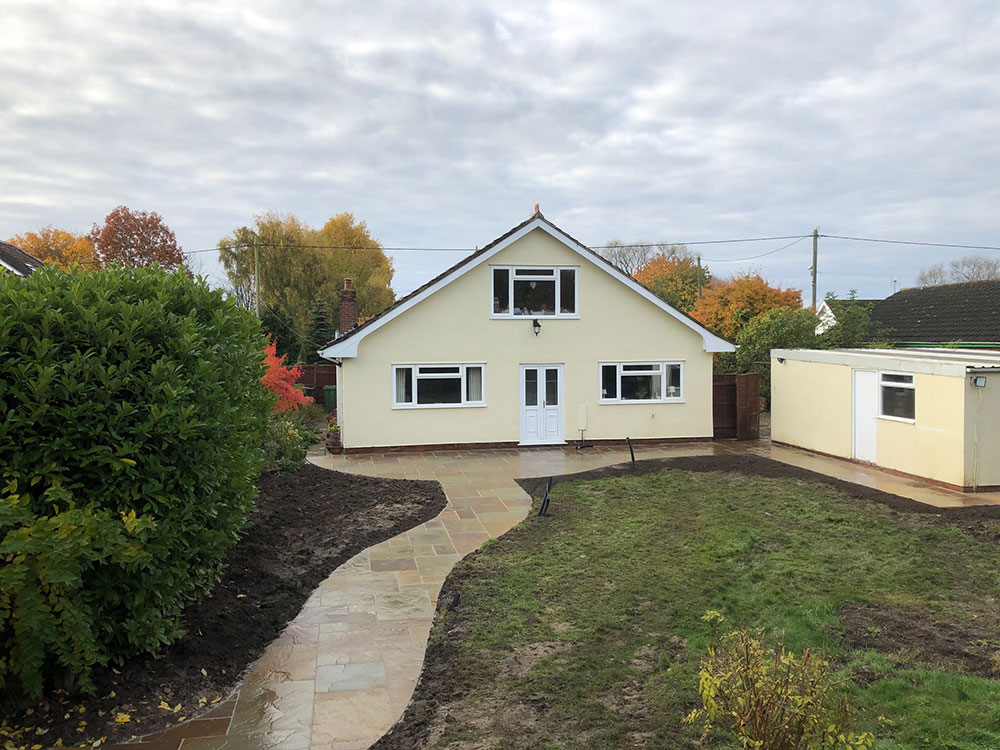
{"x": 661, "y": 364}
{"x": 555, "y": 277}
{"x": 912, "y": 385}
{"x": 416, "y": 375}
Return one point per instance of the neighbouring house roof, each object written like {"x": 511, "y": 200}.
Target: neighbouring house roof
{"x": 967, "y": 312}
{"x": 951, "y": 362}
{"x": 347, "y": 344}
{"x": 16, "y": 260}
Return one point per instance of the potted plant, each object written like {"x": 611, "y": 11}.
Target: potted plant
{"x": 333, "y": 443}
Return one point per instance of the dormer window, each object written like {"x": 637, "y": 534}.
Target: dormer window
{"x": 534, "y": 291}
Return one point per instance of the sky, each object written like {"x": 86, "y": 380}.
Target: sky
{"x": 443, "y": 124}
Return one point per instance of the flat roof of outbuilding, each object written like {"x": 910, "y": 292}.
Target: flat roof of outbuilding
{"x": 951, "y": 362}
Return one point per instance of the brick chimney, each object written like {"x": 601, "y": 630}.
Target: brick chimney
{"x": 348, "y": 307}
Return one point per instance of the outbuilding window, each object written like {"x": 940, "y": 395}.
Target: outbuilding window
{"x": 416, "y": 386}
{"x": 640, "y": 382}
{"x": 897, "y": 396}
{"x": 534, "y": 292}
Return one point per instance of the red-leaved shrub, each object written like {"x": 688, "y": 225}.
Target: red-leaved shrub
{"x": 281, "y": 380}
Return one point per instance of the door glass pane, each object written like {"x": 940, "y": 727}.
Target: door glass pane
{"x": 609, "y": 381}
{"x": 552, "y": 387}
{"x": 567, "y": 291}
{"x": 439, "y": 390}
{"x": 474, "y": 384}
{"x": 501, "y": 290}
{"x": 531, "y": 387}
{"x": 534, "y": 297}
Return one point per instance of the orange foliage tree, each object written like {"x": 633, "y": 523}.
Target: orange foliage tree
{"x": 136, "y": 238}
{"x": 281, "y": 380}
{"x": 673, "y": 277}
{"x": 727, "y": 306}
{"x": 58, "y": 247}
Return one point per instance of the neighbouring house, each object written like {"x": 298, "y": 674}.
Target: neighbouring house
{"x": 968, "y": 313}
{"x": 965, "y": 314}
{"x": 830, "y": 309}
{"x": 928, "y": 413}
{"x": 532, "y": 340}
{"x": 14, "y": 260}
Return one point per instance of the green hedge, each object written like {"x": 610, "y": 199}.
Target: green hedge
{"x": 131, "y": 416}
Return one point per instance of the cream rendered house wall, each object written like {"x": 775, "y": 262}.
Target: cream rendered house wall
{"x": 982, "y": 461}
{"x": 811, "y": 406}
{"x": 453, "y": 326}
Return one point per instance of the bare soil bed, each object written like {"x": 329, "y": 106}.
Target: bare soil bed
{"x": 449, "y": 673}
{"x": 307, "y": 523}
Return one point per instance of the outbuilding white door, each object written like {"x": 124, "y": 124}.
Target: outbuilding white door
{"x": 541, "y": 404}
{"x": 865, "y": 412}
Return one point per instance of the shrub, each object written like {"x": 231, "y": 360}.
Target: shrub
{"x": 287, "y": 439}
{"x": 771, "y": 699}
{"x": 131, "y": 412}
{"x": 281, "y": 380}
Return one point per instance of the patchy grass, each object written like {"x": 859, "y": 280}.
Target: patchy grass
{"x": 584, "y": 630}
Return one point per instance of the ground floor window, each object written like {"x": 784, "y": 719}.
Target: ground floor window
{"x": 438, "y": 385}
{"x": 627, "y": 382}
{"x": 897, "y": 396}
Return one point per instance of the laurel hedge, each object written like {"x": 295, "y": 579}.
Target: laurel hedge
{"x": 131, "y": 416}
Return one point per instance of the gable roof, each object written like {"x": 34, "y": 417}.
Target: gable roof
{"x": 16, "y": 260}
{"x": 347, "y": 344}
{"x": 969, "y": 312}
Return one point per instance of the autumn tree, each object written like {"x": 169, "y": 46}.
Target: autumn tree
{"x": 672, "y": 274}
{"x": 136, "y": 238}
{"x": 967, "y": 268}
{"x": 300, "y": 265}
{"x": 58, "y": 247}
{"x": 280, "y": 380}
{"x": 726, "y": 307}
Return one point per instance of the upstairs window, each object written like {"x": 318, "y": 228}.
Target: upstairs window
{"x": 437, "y": 385}
{"x": 640, "y": 382}
{"x": 534, "y": 292}
{"x": 897, "y": 396}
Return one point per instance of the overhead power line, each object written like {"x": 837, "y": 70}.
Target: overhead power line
{"x": 753, "y": 257}
{"x": 909, "y": 242}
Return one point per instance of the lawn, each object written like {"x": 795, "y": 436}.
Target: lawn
{"x": 584, "y": 629}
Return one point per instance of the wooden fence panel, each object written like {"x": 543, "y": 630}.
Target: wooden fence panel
{"x": 736, "y": 406}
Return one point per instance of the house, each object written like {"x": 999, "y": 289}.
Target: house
{"x": 14, "y": 260}
{"x": 927, "y": 413}
{"x": 829, "y": 310}
{"x": 968, "y": 312}
{"x": 532, "y": 340}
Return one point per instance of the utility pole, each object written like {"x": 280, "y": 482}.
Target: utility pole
{"x": 256, "y": 273}
{"x": 699, "y": 277}
{"x": 815, "y": 252}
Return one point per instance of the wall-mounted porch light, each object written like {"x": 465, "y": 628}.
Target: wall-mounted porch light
{"x": 979, "y": 381}
{"x": 536, "y": 326}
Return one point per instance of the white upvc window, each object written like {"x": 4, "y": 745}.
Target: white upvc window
{"x": 897, "y": 396}
{"x": 641, "y": 382}
{"x": 534, "y": 291}
{"x": 436, "y": 386}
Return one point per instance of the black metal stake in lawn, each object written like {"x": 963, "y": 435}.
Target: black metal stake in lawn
{"x": 544, "y": 510}
{"x": 631, "y": 450}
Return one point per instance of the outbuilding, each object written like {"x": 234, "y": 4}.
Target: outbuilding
{"x": 928, "y": 413}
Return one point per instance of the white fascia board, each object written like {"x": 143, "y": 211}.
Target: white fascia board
{"x": 349, "y": 348}
{"x": 876, "y": 359}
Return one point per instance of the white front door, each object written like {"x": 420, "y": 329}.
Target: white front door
{"x": 541, "y": 404}
{"x": 865, "y": 397}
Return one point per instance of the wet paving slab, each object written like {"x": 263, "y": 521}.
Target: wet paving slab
{"x": 344, "y": 670}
